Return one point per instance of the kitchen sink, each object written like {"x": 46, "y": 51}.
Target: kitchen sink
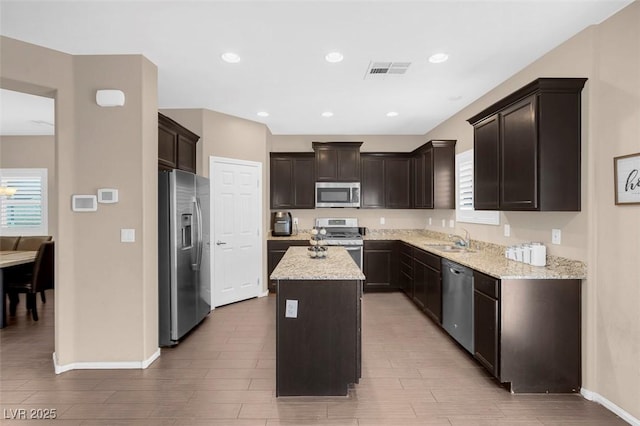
{"x": 450, "y": 248}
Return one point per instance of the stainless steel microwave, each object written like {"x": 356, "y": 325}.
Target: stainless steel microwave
{"x": 337, "y": 194}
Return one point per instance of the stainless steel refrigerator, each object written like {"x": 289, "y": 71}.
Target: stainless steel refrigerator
{"x": 184, "y": 279}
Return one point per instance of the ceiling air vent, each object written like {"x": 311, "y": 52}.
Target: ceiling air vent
{"x": 385, "y": 68}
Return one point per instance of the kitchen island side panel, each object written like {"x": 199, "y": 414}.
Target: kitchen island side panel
{"x": 318, "y": 353}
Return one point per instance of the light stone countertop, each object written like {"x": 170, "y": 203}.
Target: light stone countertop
{"x": 488, "y": 258}
{"x": 297, "y": 265}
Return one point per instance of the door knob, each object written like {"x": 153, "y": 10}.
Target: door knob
{"x": 219, "y": 243}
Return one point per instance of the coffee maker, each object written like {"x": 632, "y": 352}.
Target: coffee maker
{"x": 281, "y": 225}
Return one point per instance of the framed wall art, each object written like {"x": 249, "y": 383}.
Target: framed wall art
{"x": 626, "y": 170}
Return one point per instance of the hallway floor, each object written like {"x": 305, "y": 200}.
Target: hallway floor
{"x": 223, "y": 373}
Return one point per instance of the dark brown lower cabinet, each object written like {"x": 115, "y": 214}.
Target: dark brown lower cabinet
{"x": 427, "y": 283}
{"x": 486, "y": 321}
{"x": 275, "y": 251}
{"x": 528, "y": 332}
{"x": 318, "y": 351}
{"x": 405, "y": 268}
{"x": 379, "y": 266}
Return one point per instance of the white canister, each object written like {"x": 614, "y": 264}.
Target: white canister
{"x": 519, "y": 253}
{"x": 526, "y": 253}
{"x": 538, "y": 254}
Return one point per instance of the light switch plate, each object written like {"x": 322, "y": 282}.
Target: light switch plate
{"x": 128, "y": 235}
{"x": 444, "y": 223}
{"x": 291, "y": 310}
{"x": 382, "y": 221}
{"x": 295, "y": 220}
{"x": 556, "y": 236}
{"x": 507, "y": 230}
{"x": 452, "y": 223}
{"x": 430, "y": 221}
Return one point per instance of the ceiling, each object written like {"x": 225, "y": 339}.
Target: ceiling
{"x": 282, "y": 45}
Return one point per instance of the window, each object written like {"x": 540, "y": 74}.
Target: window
{"x": 24, "y": 212}
{"x": 464, "y": 194}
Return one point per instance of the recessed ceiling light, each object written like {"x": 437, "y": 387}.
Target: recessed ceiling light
{"x": 263, "y": 114}
{"x": 334, "y": 57}
{"x": 327, "y": 114}
{"x": 438, "y": 58}
{"x": 231, "y": 57}
{"x": 392, "y": 114}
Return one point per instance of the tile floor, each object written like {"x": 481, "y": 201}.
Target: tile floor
{"x": 224, "y": 374}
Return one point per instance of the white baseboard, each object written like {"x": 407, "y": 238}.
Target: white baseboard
{"x": 266, "y": 293}
{"x": 595, "y": 397}
{"x": 105, "y": 365}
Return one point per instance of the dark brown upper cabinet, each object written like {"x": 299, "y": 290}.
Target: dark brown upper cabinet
{"x": 176, "y": 145}
{"x": 337, "y": 161}
{"x": 434, "y": 175}
{"x": 527, "y": 148}
{"x": 385, "y": 180}
{"x": 292, "y": 180}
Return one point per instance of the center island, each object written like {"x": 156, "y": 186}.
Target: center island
{"x": 318, "y": 323}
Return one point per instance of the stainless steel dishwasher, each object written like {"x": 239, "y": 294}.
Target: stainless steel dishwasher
{"x": 457, "y": 303}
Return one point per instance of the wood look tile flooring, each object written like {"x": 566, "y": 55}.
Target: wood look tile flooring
{"x": 223, "y": 373}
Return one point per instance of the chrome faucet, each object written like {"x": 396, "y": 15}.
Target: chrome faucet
{"x": 461, "y": 241}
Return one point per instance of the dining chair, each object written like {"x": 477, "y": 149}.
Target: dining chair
{"x": 8, "y": 243}
{"x": 32, "y": 243}
{"x": 41, "y": 279}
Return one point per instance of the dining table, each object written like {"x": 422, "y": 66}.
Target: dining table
{"x": 9, "y": 260}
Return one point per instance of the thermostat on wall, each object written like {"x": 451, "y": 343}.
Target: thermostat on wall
{"x": 107, "y": 195}
{"x": 84, "y": 203}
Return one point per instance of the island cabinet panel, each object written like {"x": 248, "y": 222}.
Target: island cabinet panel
{"x": 537, "y": 133}
{"x": 275, "y": 252}
{"x": 292, "y": 180}
{"x": 176, "y": 145}
{"x": 379, "y": 266}
{"x": 385, "y": 180}
{"x": 337, "y": 161}
{"x": 318, "y": 352}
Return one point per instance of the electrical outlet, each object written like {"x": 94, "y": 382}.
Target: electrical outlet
{"x": 556, "y": 236}
{"x": 430, "y": 221}
{"x": 507, "y": 230}
{"x": 452, "y": 223}
{"x": 295, "y": 220}
{"x": 444, "y": 223}
{"x": 382, "y": 221}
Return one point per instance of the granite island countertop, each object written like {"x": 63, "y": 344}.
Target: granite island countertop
{"x": 486, "y": 258}
{"x": 297, "y": 265}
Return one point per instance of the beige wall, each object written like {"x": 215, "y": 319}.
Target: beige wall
{"x": 34, "y": 152}
{"x": 604, "y": 235}
{"x": 106, "y": 291}
{"x": 223, "y": 135}
{"x": 614, "y": 231}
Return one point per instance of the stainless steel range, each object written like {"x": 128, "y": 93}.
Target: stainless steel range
{"x": 343, "y": 232}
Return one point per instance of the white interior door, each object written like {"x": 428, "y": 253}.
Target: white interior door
{"x": 236, "y": 210}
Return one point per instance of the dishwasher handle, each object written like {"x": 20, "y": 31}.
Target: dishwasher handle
{"x": 455, "y": 271}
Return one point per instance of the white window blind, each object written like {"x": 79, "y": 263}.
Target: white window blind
{"x": 24, "y": 212}
{"x": 464, "y": 194}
